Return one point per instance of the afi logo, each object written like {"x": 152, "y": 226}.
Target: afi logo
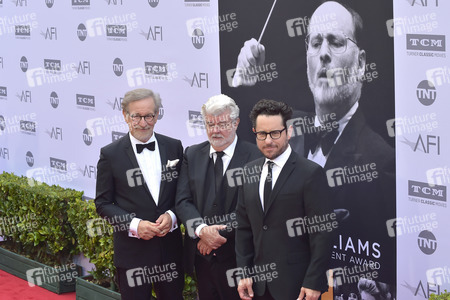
{"x": 4, "y": 153}
{"x": 90, "y": 172}
{"x": 154, "y": 33}
{"x": 199, "y": 80}
{"x": 50, "y": 33}
{"x": 433, "y": 141}
{"x": 424, "y": 3}
{"x": 21, "y": 3}
{"x": 84, "y": 67}
{"x": 56, "y": 133}
{"x": 25, "y": 96}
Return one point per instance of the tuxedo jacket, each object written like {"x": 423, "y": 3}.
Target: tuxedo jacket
{"x": 193, "y": 203}
{"x": 120, "y": 195}
{"x": 264, "y": 237}
{"x": 363, "y": 207}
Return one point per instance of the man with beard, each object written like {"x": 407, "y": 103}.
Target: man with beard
{"x": 359, "y": 164}
{"x": 207, "y": 196}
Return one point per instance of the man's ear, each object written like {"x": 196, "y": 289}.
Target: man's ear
{"x": 289, "y": 132}
{"x": 362, "y": 62}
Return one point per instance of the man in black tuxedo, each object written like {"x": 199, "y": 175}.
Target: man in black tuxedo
{"x": 289, "y": 191}
{"x": 136, "y": 186}
{"x": 207, "y": 196}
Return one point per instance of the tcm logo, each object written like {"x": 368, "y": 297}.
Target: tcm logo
{"x": 54, "y": 99}
{"x": 153, "y": 3}
{"x": 426, "y": 92}
{"x": 23, "y": 30}
{"x": 425, "y": 3}
{"x": 89, "y": 171}
{"x": 118, "y": 67}
{"x": 49, "y": 3}
{"x": 25, "y": 96}
{"x": 4, "y": 153}
{"x": 28, "y": 126}
{"x": 3, "y": 91}
{"x": 85, "y": 100}
{"x": 58, "y": 164}
{"x": 115, "y": 135}
{"x": 198, "y": 38}
{"x": 234, "y": 276}
{"x": 200, "y": 80}
{"x": 425, "y": 42}
{"x": 427, "y": 242}
{"x": 56, "y": 133}
{"x": 50, "y": 33}
{"x": 81, "y": 3}
{"x": 97, "y": 227}
{"x": 195, "y": 124}
{"x": 296, "y": 27}
{"x": 135, "y": 177}
{"x": 116, "y": 31}
{"x": 87, "y": 137}
{"x": 23, "y": 64}
{"x": 114, "y": 2}
{"x": 424, "y": 190}
{"x": 82, "y": 32}
{"x": 52, "y": 65}
{"x": 430, "y": 142}
{"x": 154, "y": 68}
{"x": 191, "y": 225}
{"x": 155, "y": 33}
{"x": 84, "y": 67}
{"x": 21, "y": 2}
{"x": 29, "y": 158}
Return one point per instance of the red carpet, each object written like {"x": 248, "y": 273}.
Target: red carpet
{"x": 15, "y": 288}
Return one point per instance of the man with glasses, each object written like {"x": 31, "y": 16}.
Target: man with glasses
{"x": 207, "y": 195}
{"x": 131, "y": 194}
{"x": 275, "y": 213}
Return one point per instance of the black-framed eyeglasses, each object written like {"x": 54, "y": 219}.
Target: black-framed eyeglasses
{"x": 337, "y": 42}
{"x": 274, "y": 135}
{"x": 137, "y": 118}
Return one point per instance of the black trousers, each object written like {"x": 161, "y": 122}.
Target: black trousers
{"x": 212, "y": 280}
{"x": 168, "y": 285}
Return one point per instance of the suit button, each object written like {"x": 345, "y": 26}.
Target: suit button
{"x": 265, "y": 227}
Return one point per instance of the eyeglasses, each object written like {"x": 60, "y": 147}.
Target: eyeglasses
{"x": 137, "y": 118}
{"x": 274, "y": 135}
{"x": 337, "y": 42}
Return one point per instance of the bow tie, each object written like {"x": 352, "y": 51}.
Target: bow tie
{"x": 321, "y": 137}
{"x": 149, "y": 146}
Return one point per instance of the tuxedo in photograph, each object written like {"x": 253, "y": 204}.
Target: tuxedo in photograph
{"x": 362, "y": 207}
{"x": 265, "y": 236}
{"x": 116, "y": 197}
{"x": 196, "y": 199}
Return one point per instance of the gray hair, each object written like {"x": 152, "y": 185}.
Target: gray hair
{"x": 139, "y": 94}
{"x": 218, "y": 104}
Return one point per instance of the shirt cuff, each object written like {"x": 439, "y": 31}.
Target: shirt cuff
{"x": 199, "y": 228}
{"x": 133, "y": 232}
{"x": 174, "y": 220}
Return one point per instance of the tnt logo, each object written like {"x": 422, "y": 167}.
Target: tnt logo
{"x": 82, "y": 32}
{"x": 235, "y": 177}
{"x": 35, "y": 277}
{"x": 23, "y": 64}
{"x": 191, "y": 225}
{"x": 97, "y": 227}
{"x": 335, "y": 177}
{"x": 87, "y": 137}
{"x": 296, "y": 27}
{"x": 49, "y": 3}
{"x": 192, "y": 24}
{"x": 427, "y": 242}
{"x": 394, "y": 227}
{"x": 153, "y": 3}
{"x": 118, "y": 67}
{"x": 198, "y": 38}
{"x": 135, "y": 277}
{"x": 54, "y": 99}
{"x": 294, "y": 227}
{"x": 426, "y": 93}
{"x": 135, "y": 177}
{"x": 29, "y": 159}
{"x": 234, "y": 276}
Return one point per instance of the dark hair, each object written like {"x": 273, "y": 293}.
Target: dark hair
{"x": 270, "y": 108}
{"x": 357, "y": 21}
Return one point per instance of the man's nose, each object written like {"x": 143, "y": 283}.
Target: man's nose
{"x": 325, "y": 52}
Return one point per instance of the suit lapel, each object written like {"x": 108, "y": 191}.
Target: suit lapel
{"x": 288, "y": 168}
{"x": 163, "y": 156}
{"x": 201, "y": 169}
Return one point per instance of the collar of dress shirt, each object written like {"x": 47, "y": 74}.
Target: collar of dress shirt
{"x": 282, "y": 159}
{"x": 135, "y": 141}
{"x": 229, "y": 151}
{"x": 343, "y": 121}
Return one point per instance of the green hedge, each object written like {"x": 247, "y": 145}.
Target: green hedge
{"x": 33, "y": 219}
